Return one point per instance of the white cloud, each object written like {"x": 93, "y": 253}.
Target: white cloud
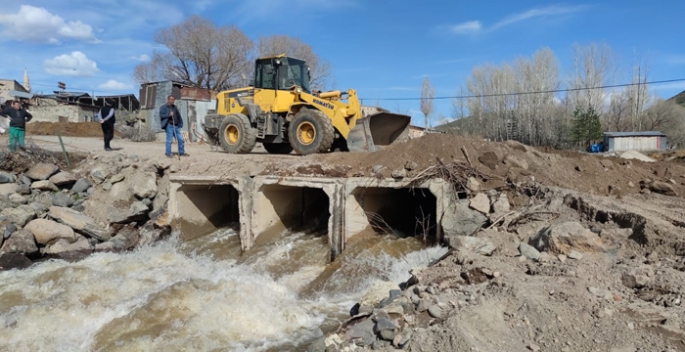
{"x": 467, "y": 27}
{"x": 471, "y": 27}
{"x": 115, "y": 85}
{"x": 74, "y": 64}
{"x": 142, "y": 58}
{"x": 39, "y": 25}
{"x": 554, "y": 10}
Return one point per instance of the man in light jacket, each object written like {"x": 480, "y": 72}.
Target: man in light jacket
{"x": 172, "y": 122}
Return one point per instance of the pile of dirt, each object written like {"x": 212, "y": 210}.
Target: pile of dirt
{"x": 66, "y": 129}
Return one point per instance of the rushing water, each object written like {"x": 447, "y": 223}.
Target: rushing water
{"x": 202, "y": 295}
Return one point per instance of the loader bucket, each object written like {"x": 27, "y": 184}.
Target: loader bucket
{"x": 377, "y": 131}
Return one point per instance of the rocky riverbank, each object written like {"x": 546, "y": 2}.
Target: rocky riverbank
{"x": 103, "y": 204}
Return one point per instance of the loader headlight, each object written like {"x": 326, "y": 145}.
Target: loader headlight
{"x": 298, "y": 90}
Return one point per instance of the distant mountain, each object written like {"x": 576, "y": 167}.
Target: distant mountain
{"x": 452, "y": 127}
{"x": 679, "y": 98}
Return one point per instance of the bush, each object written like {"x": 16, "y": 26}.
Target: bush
{"x": 139, "y": 133}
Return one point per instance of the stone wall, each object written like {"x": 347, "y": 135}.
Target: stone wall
{"x": 48, "y": 110}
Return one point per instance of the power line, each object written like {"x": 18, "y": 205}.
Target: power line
{"x": 539, "y": 92}
{"x": 73, "y": 88}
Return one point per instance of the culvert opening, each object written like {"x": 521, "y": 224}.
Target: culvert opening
{"x": 202, "y": 209}
{"x": 278, "y": 208}
{"x": 402, "y": 212}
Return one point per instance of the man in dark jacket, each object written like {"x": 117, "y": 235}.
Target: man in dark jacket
{"x": 18, "y": 119}
{"x": 106, "y": 116}
{"x": 172, "y": 122}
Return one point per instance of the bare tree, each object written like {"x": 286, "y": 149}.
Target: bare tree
{"x": 594, "y": 67}
{"x": 321, "y": 72}
{"x": 427, "y": 96}
{"x": 199, "y": 53}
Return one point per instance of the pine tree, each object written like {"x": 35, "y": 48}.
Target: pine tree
{"x": 587, "y": 127}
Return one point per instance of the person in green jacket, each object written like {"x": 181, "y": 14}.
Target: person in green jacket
{"x": 18, "y": 119}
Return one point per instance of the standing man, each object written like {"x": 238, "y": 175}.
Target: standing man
{"x": 18, "y": 119}
{"x": 107, "y": 120}
{"x": 172, "y": 122}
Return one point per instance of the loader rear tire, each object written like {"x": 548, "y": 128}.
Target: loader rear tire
{"x": 311, "y": 132}
{"x": 236, "y": 135}
{"x": 278, "y": 148}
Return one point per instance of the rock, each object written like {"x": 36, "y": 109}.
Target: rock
{"x": 435, "y": 311}
{"x": 481, "y": 203}
{"x": 402, "y": 338}
{"x": 376, "y": 293}
{"x": 7, "y": 188}
{"x": 137, "y": 211}
{"x": 173, "y": 168}
{"x": 562, "y": 258}
{"x": 9, "y": 229}
{"x": 125, "y": 239}
{"x": 596, "y": 291}
{"x": 144, "y": 185}
{"x": 388, "y": 335}
{"x": 61, "y": 199}
{"x": 460, "y": 220}
{"x": 80, "y": 244}
{"x": 106, "y": 186}
{"x": 631, "y": 184}
{"x": 529, "y": 251}
{"x": 25, "y": 180}
{"x": 663, "y": 188}
{"x": 81, "y": 185}
{"x": 565, "y": 237}
{"x": 63, "y": 178}
{"x": 638, "y": 278}
{"x": 399, "y": 173}
{"x": 149, "y": 234}
{"x": 632, "y": 154}
{"x": 20, "y": 242}
{"x": 473, "y": 185}
{"x": 9, "y": 261}
{"x": 99, "y": 174}
{"x": 410, "y": 165}
{"x": 607, "y": 163}
{"x": 24, "y": 189}
{"x": 533, "y": 347}
{"x": 491, "y": 159}
{"x": 377, "y": 169}
{"x": 672, "y": 181}
{"x": 384, "y": 323}
{"x": 42, "y": 171}
{"x": 38, "y": 208}
{"x": 79, "y": 222}
{"x": 515, "y": 161}
{"x": 19, "y": 215}
{"x": 7, "y": 178}
{"x": 575, "y": 255}
{"x": 162, "y": 164}
{"x": 116, "y": 179}
{"x": 47, "y": 231}
{"x": 17, "y": 199}
{"x": 44, "y": 186}
{"x": 501, "y": 206}
{"x": 478, "y": 245}
{"x": 361, "y": 334}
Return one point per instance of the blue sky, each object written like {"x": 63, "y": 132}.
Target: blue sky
{"x": 382, "y": 48}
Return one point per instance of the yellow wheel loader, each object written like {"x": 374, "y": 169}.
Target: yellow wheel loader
{"x": 282, "y": 113}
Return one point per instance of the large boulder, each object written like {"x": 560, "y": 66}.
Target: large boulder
{"x": 7, "y": 189}
{"x": 22, "y": 242}
{"x": 81, "y": 185}
{"x": 482, "y": 246}
{"x": 18, "y": 199}
{"x": 125, "y": 239}
{"x": 63, "y": 178}
{"x": 62, "y": 199}
{"x": 460, "y": 220}
{"x": 150, "y": 234}
{"x": 663, "y": 188}
{"x": 144, "y": 185}
{"x": 7, "y": 178}
{"x": 19, "y": 215}
{"x": 47, "y": 231}
{"x": 42, "y": 171}
{"x": 61, "y": 246}
{"x": 136, "y": 212}
{"x": 566, "y": 237}
{"x": 480, "y": 202}
{"x": 44, "y": 186}
{"x": 501, "y": 206}
{"x": 79, "y": 222}
{"x": 9, "y": 261}
{"x": 99, "y": 174}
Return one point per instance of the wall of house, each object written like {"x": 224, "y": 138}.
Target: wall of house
{"x": 6, "y": 87}
{"x": 48, "y": 110}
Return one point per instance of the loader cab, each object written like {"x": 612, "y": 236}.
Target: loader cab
{"x": 282, "y": 73}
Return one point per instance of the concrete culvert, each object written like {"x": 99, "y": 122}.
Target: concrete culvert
{"x": 201, "y": 209}
{"x": 277, "y": 208}
{"x": 402, "y": 212}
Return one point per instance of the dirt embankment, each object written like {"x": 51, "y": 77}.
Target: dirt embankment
{"x": 66, "y": 129}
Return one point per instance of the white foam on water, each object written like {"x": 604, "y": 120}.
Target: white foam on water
{"x": 162, "y": 298}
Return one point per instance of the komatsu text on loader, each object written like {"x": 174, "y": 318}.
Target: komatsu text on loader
{"x": 282, "y": 113}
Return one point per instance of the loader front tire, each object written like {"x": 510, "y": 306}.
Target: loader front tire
{"x": 311, "y": 132}
{"x": 236, "y": 135}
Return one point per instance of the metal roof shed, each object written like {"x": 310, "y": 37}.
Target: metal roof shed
{"x": 641, "y": 141}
